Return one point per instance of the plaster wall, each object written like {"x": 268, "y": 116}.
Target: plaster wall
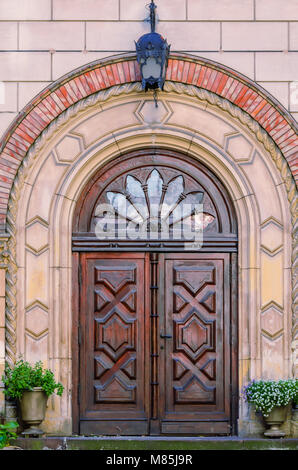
{"x": 41, "y": 40}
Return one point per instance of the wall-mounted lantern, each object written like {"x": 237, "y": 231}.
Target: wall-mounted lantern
{"x": 152, "y": 55}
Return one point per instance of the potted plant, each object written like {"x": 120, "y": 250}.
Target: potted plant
{"x": 7, "y": 432}
{"x": 271, "y": 398}
{"x": 30, "y": 385}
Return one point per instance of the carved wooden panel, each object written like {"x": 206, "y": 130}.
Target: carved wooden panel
{"x": 113, "y": 356}
{"x": 196, "y": 362}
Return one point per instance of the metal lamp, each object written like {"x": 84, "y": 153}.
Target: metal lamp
{"x": 152, "y": 55}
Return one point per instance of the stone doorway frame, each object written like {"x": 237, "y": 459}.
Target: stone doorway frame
{"x": 197, "y": 145}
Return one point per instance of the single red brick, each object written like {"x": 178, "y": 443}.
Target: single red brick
{"x": 138, "y": 74}
{"x": 57, "y": 100}
{"x": 191, "y": 71}
{"x": 31, "y": 124}
{"x": 95, "y": 80}
{"x": 216, "y": 82}
{"x": 174, "y": 70}
{"x": 254, "y": 104}
{"x": 100, "y": 79}
{"x": 24, "y": 135}
{"x": 232, "y": 89}
{"x": 80, "y": 87}
{"x": 66, "y": 103}
{"x": 264, "y": 119}
{"x": 169, "y": 69}
{"x": 18, "y": 142}
{"x": 47, "y": 109}
{"x": 180, "y": 70}
{"x": 196, "y": 74}
{"x": 292, "y": 152}
{"x": 7, "y": 167}
{"x": 250, "y": 101}
{"x": 27, "y": 128}
{"x": 261, "y": 110}
{"x": 126, "y": 72}
{"x": 227, "y": 87}
{"x": 105, "y": 77}
{"x": 132, "y": 71}
{"x": 116, "y": 74}
{"x": 8, "y": 153}
{"x": 284, "y": 133}
{"x": 121, "y": 72}
{"x": 290, "y": 143}
{"x": 51, "y": 104}
{"x": 211, "y": 79}
{"x": 15, "y": 150}
{"x": 274, "y": 123}
{"x": 110, "y": 75}
{"x": 85, "y": 84}
{"x": 70, "y": 97}
{"x": 292, "y": 159}
{"x": 34, "y": 114}
{"x": 206, "y": 77}
{"x": 186, "y": 68}
{"x": 10, "y": 162}
{"x": 240, "y": 95}
{"x": 5, "y": 184}
{"x": 201, "y": 76}
{"x": 236, "y": 92}
{"x": 222, "y": 84}
{"x": 90, "y": 82}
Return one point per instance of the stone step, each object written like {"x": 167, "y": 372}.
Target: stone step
{"x": 153, "y": 443}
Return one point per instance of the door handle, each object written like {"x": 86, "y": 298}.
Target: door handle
{"x": 166, "y": 336}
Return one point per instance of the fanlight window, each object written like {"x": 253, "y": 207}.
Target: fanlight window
{"x": 163, "y": 210}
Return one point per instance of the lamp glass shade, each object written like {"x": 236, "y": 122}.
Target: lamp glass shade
{"x": 151, "y": 69}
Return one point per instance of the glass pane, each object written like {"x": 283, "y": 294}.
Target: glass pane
{"x": 198, "y": 222}
{"x": 187, "y": 206}
{"x": 123, "y": 207}
{"x": 151, "y": 68}
{"x": 134, "y": 188}
{"x": 175, "y": 189}
{"x": 155, "y": 183}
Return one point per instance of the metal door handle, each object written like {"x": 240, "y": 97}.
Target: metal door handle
{"x": 166, "y": 336}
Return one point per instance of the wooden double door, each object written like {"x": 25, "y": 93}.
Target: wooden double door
{"x": 157, "y": 344}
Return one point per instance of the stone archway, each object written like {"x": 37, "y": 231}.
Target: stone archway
{"x": 57, "y": 164}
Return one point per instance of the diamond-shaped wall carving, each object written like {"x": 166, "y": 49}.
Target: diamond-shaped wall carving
{"x": 36, "y": 320}
{"x": 37, "y": 236}
{"x": 152, "y": 115}
{"x": 271, "y": 236}
{"x": 68, "y": 149}
{"x": 272, "y": 321}
{"x": 239, "y": 148}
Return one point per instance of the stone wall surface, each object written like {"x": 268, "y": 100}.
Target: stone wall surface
{"x": 41, "y": 40}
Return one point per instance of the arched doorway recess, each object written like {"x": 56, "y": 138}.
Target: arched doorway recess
{"x": 157, "y": 314}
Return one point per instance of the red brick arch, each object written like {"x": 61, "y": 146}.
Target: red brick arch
{"x": 102, "y": 74}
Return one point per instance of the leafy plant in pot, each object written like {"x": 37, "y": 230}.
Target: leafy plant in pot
{"x": 30, "y": 385}
{"x": 7, "y": 433}
{"x": 271, "y": 398}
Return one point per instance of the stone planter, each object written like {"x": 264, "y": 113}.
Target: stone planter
{"x": 275, "y": 419}
{"x": 33, "y": 407}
